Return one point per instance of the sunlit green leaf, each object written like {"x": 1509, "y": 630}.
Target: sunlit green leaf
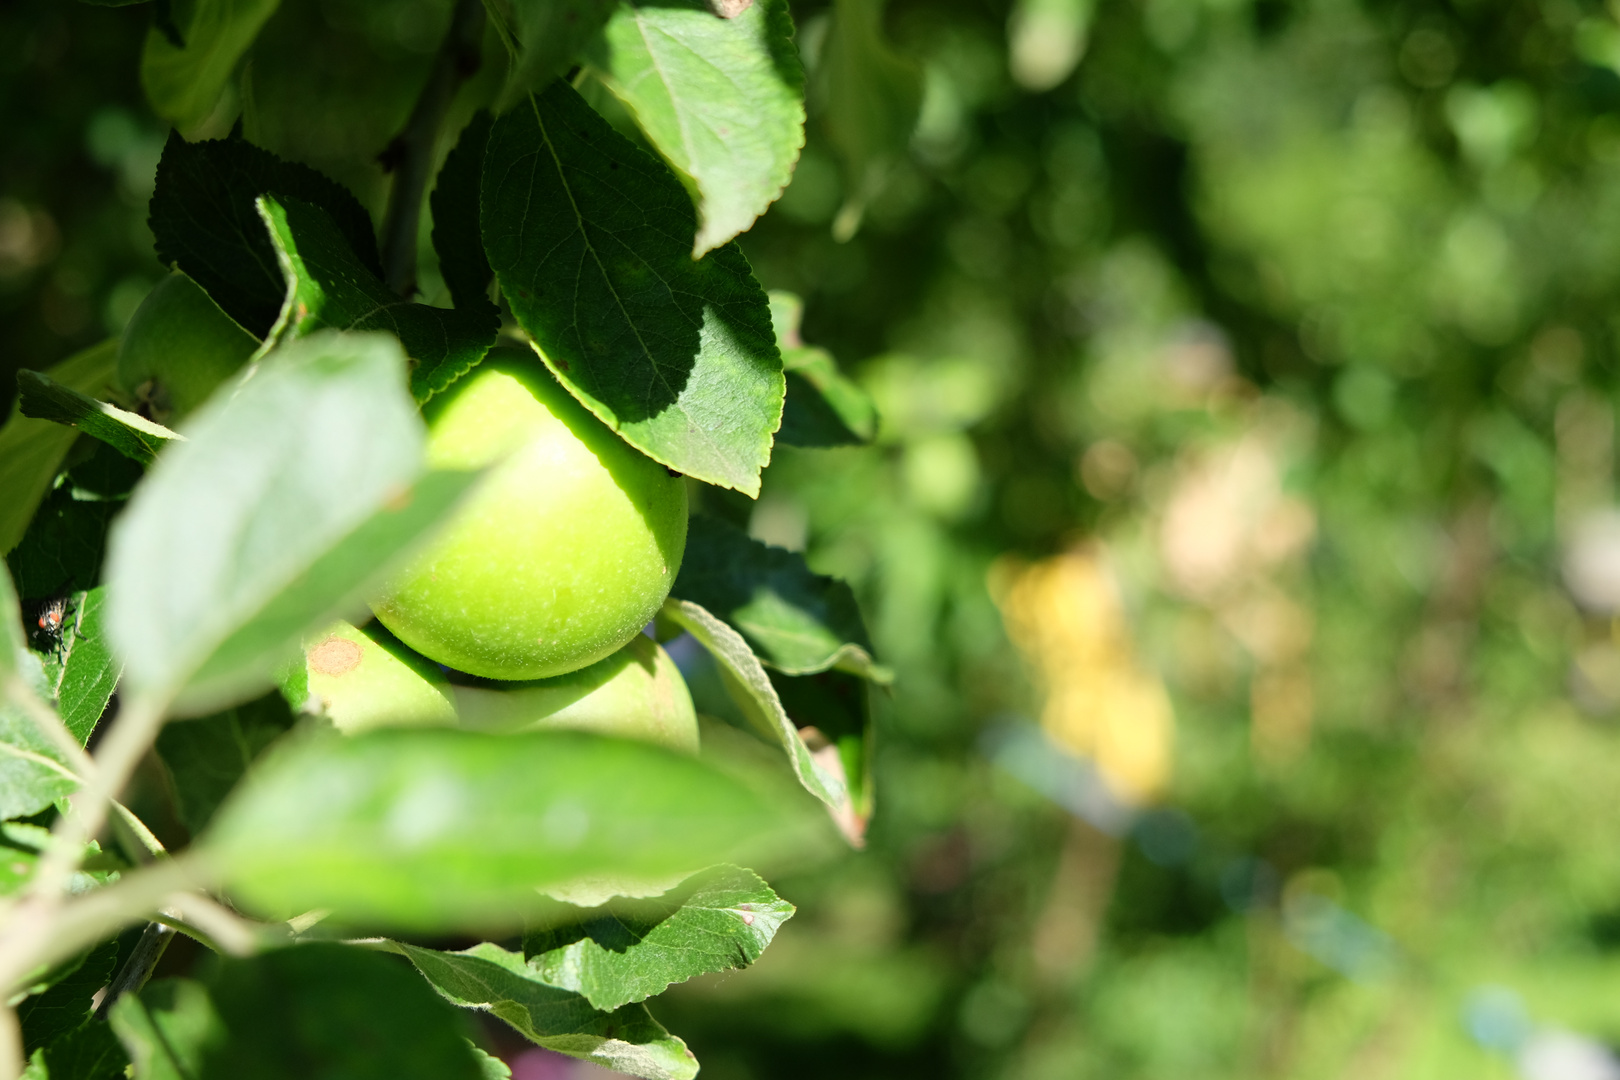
{"x": 81, "y": 672}
{"x": 588, "y": 238}
{"x": 721, "y": 99}
{"x": 821, "y": 774}
{"x": 129, "y": 433}
{"x": 487, "y": 976}
{"x": 432, "y": 827}
{"x": 720, "y": 919}
{"x": 328, "y": 286}
{"x": 243, "y": 532}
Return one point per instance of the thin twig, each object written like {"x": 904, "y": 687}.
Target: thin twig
{"x": 138, "y": 968}
{"x": 410, "y": 154}
{"x": 11, "y": 1044}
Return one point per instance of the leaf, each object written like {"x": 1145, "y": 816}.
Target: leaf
{"x": 328, "y": 286}
{"x": 442, "y": 828}
{"x": 546, "y": 36}
{"x": 319, "y": 1011}
{"x": 716, "y": 920}
{"x": 797, "y": 621}
{"x": 89, "y": 1052}
{"x": 270, "y": 519}
{"x": 823, "y": 407}
{"x": 205, "y": 758}
{"x": 66, "y": 1005}
{"x": 335, "y": 584}
{"x": 82, "y": 672}
{"x": 33, "y": 774}
{"x": 63, "y": 550}
{"x": 821, "y": 774}
{"x": 31, "y": 451}
{"x": 721, "y": 99}
{"x": 486, "y": 976}
{"x": 166, "y": 1029}
{"x": 587, "y": 235}
{"x": 129, "y": 433}
{"x": 494, "y": 1068}
{"x": 870, "y": 99}
{"x": 454, "y": 202}
{"x": 184, "y": 80}
{"x": 206, "y": 223}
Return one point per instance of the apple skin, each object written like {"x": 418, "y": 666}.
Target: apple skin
{"x": 563, "y": 553}
{"x": 637, "y": 693}
{"x": 365, "y": 679}
{"x": 178, "y": 347}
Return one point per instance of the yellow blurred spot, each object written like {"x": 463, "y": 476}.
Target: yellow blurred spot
{"x": 1065, "y": 616}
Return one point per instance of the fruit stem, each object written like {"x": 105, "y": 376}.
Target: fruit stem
{"x": 410, "y": 155}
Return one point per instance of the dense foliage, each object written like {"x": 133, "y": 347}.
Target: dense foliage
{"x": 1219, "y": 443}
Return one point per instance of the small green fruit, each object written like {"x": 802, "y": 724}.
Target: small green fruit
{"x": 178, "y": 347}
{"x": 560, "y": 557}
{"x": 637, "y": 693}
{"x": 365, "y": 679}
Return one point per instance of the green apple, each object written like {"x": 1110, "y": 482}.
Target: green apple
{"x": 637, "y": 693}
{"x": 178, "y": 347}
{"x": 366, "y": 679}
{"x": 563, "y": 553}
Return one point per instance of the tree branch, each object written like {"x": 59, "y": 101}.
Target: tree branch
{"x": 410, "y": 155}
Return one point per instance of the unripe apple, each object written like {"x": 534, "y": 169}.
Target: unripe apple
{"x": 637, "y": 693}
{"x": 178, "y": 347}
{"x": 564, "y": 552}
{"x": 366, "y": 679}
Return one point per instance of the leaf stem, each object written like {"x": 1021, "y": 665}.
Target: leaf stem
{"x": 138, "y": 968}
{"x": 410, "y": 154}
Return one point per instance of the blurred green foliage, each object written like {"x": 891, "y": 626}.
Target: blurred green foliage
{"x": 1302, "y": 311}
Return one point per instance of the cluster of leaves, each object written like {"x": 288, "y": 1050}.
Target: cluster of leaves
{"x": 173, "y": 574}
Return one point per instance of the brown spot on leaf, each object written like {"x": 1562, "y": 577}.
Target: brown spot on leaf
{"x": 335, "y": 656}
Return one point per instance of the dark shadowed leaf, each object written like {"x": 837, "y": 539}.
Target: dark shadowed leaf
{"x": 328, "y": 287}
{"x": 717, "y": 920}
{"x": 454, "y": 202}
{"x": 89, "y": 1052}
{"x": 66, "y": 1005}
{"x": 319, "y": 1012}
{"x": 434, "y": 827}
{"x": 206, "y": 223}
{"x": 206, "y": 757}
{"x": 588, "y": 236}
{"x": 626, "y": 1040}
{"x": 721, "y": 99}
{"x": 796, "y": 620}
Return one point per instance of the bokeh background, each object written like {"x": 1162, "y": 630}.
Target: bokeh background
{"x": 1241, "y": 526}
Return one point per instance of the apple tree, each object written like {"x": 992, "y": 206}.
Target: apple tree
{"x": 367, "y": 538}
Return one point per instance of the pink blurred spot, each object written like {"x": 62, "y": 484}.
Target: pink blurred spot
{"x": 538, "y": 1064}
